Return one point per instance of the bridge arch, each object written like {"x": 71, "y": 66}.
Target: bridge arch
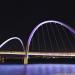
{"x": 13, "y": 38}
{"x": 41, "y": 24}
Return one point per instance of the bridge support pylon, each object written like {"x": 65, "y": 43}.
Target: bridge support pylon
{"x": 25, "y": 60}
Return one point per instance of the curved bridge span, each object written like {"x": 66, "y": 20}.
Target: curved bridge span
{"x": 26, "y": 49}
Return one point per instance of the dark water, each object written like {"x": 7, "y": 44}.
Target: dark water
{"x": 38, "y": 69}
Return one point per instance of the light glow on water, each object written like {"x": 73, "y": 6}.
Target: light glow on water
{"x": 38, "y": 69}
{"x": 51, "y": 69}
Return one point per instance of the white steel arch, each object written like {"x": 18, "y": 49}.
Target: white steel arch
{"x": 13, "y": 38}
{"x": 41, "y": 24}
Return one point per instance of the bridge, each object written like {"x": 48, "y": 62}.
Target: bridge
{"x": 50, "y": 54}
{"x": 26, "y": 53}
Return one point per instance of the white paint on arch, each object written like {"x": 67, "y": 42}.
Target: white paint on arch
{"x": 12, "y": 38}
{"x": 41, "y": 24}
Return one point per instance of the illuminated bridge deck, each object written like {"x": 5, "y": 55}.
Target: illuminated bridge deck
{"x": 60, "y": 54}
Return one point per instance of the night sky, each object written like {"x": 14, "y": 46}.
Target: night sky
{"x": 18, "y": 18}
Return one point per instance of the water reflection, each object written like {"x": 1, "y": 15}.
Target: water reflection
{"x": 12, "y": 70}
{"x": 51, "y": 69}
{"x": 38, "y": 69}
